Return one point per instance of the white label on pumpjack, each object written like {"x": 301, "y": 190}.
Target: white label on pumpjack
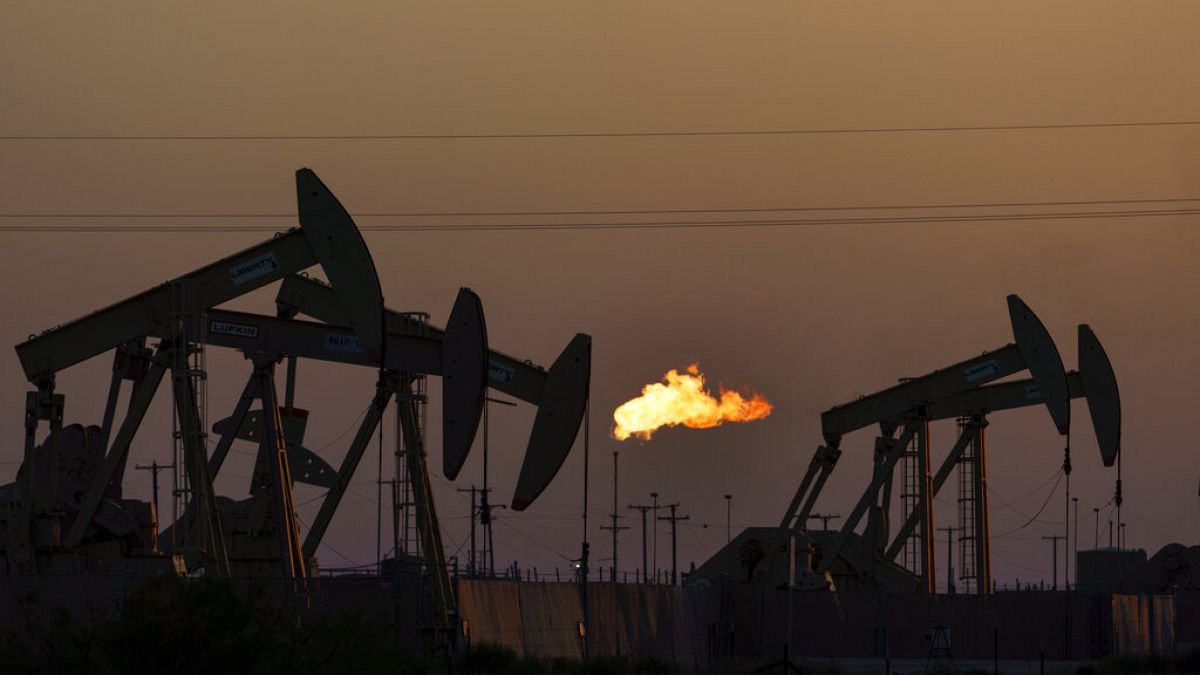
{"x": 253, "y": 268}
{"x": 235, "y": 329}
{"x": 981, "y": 370}
{"x": 1032, "y": 392}
{"x": 500, "y": 373}
{"x": 341, "y": 342}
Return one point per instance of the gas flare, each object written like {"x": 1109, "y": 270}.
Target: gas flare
{"x": 682, "y": 399}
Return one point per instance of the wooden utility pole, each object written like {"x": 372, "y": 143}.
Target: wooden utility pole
{"x": 824, "y": 518}
{"x": 643, "y": 508}
{"x": 154, "y": 467}
{"x": 1054, "y": 539}
{"x": 674, "y": 520}
{"x": 471, "y": 566}
{"x": 614, "y": 527}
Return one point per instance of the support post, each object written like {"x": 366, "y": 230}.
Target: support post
{"x": 940, "y": 479}
{"x": 42, "y": 404}
{"x": 383, "y": 393}
{"x": 829, "y": 555}
{"x": 427, "y": 520}
{"x": 983, "y": 536}
{"x": 249, "y": 393}
{"x": 928, "y": 563}
{"x": 827, "y": 457}
{"x": 291, "y": 555}
{"x": 212, "y": 539}
{"x": 115, "y": 458}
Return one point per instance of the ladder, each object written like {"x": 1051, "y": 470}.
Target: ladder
{"x": 910, "y": 500}
{"x": 406, "y": 536}
{"x": 188, "y": 325}
{"x": 967, "y": 503}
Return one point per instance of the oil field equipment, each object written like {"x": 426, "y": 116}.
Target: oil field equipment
{"x": 904, "y": 561}
{"x": 65, "y": 512}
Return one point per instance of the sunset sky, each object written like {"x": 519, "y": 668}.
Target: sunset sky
{"x": 811, "y": 315}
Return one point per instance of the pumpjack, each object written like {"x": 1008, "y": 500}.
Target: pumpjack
{"x": 903, "y": 413}
{"x": 54, "y": 527}
{"x": 65, "y": 511}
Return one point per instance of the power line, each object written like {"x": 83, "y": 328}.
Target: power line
{"x": 643, "y": 225}
{"x": 614, "y": 212}
{"x": 597, "y": 134}
{"x": 1035, "y": 516}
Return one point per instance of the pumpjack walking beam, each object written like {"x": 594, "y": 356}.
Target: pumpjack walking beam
{"x": 327, "y": 236}
{"x": 560, "y": 393}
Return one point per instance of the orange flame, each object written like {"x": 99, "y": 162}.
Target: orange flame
{"x": 682, "y": 399}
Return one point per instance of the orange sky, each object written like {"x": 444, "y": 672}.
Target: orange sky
{"x": 810, "y": 316}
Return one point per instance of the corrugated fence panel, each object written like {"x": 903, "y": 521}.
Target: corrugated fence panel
{"x": 551, "y": 613}
{"x": 493, "y": 610}
{"x": 1162, "y": 625}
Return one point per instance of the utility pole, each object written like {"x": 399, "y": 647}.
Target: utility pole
{"x": 1122, "y": 540}
{"x": 728, "y": 518}
{"x": 1075, "y": 547}
{"x": 654, "y": 540}
{"x": 643, "y": 508}
{"x": 614, "y": 527}
{"x": 154, "y": 467}
{"x": 1066, "y": 466}
{"x": 393, "y": 486}
{"x": 487, "y": 552}
{"x": 674, "y": 520}
{"x": 1054, "y": 539}
{"x": 1096, "y": 511}
{"x": 474, "y": 512}
{"x": 485, "y": 508}
{"x": 824, "y": 518}
{"x": 486, "y": 518}
{"x": 949, "y": 558}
